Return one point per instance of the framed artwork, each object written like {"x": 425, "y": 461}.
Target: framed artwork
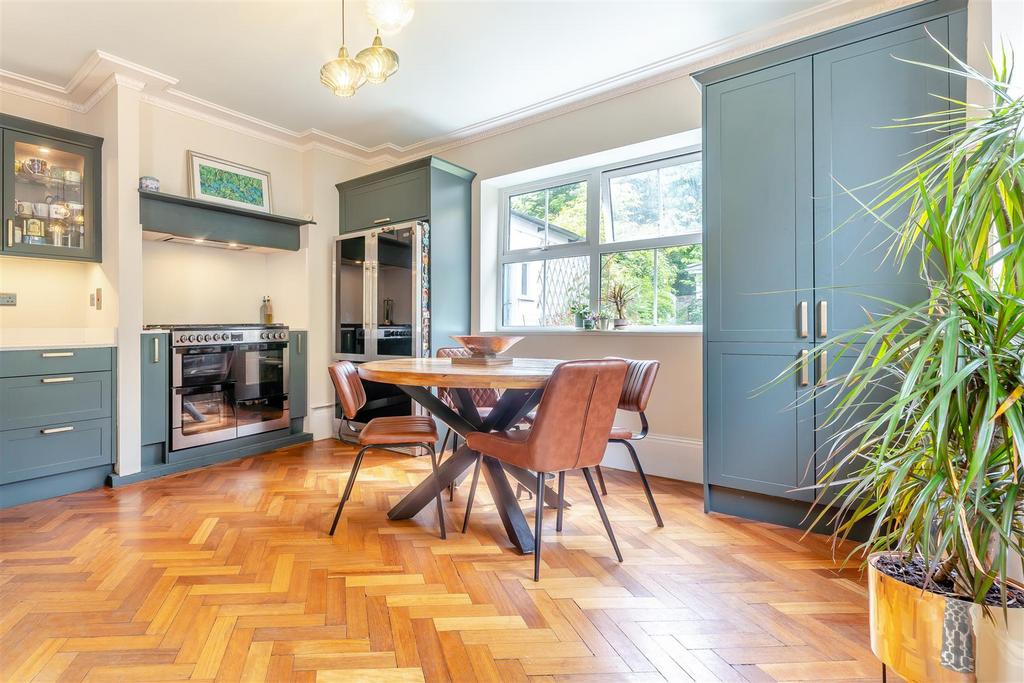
{"x": 225, "y": 182}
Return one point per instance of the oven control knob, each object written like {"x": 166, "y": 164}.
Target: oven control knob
{"x": 280, "y": 335}
{"x": 263, "y": 335}
{"x": 206, "y": 337}
{"x": 191, "y": 338}
{"x": 222, "y": 337}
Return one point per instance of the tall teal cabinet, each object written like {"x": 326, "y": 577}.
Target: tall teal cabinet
{"x": 787, "y": 134}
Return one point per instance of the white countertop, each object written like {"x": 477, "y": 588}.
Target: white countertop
{"x": 21, "y": 338}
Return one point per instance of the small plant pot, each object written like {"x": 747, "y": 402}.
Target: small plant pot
{"x": 924, "y": 636}
{"x": 579, "y": 321}
{"x": 621, "y": 323}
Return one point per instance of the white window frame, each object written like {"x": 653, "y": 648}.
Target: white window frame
{"x": 598, "y": 202}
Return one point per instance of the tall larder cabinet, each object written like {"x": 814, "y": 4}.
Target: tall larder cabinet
{"x": 788, "y": 134}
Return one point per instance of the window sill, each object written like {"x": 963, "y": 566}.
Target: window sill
{"x": 680, "y": 331}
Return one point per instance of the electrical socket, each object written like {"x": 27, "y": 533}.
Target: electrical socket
{"x": 8, "y": 299}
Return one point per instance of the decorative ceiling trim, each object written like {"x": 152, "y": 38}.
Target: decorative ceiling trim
{"x": 102, "y": 70}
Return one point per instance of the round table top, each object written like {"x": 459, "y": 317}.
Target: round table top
{"x": 521, "y": 373}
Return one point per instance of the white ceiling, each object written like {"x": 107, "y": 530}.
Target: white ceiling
{"x": 462, "y": 62}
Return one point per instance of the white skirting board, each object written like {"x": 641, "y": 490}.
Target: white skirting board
{"x": 661, "y": 455}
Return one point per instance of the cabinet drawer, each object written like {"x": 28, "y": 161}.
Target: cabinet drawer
{"x": 47, "y": 361}
{"x": 30, "y": 453}
{"x": 50, "y": 399}
{"x": 392, "y": 200}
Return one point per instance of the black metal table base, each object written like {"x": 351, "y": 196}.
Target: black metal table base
{"x": 511, "y": 407}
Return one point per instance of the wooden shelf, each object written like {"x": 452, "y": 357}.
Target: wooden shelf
{"x": 188, "y": 218}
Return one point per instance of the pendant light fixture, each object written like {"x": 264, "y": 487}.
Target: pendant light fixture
{"x": 344, "y": 75}
{"x": 390, "y": 16}
{"x": 380, "y": 62}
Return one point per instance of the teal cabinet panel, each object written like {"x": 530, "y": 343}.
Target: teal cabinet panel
{"x": 758, "y": 212}
{"x": 54, "y": 361}
{"x": 39, "y": 451}
{"x": 402, "y": 197}
{"x": 298, "y": 373}
{"x": 54, "y": 399}
{"x": 156, "y": 380}
{"x": 859, "y": 90}
{"x": 757, "y": 439}
{"x": 51, "y": 192}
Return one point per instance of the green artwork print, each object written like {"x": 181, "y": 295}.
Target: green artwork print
{"x": 216, "y": 182}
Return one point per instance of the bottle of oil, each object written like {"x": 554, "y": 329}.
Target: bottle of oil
{"x": 266, "y": 311}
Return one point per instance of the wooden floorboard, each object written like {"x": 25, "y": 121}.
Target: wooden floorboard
{"x": 227, "y": 574}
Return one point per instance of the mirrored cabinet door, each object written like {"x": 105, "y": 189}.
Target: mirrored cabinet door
{"x": 51, "y": 191}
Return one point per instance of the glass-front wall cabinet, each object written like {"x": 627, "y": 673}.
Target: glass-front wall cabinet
{"x": 51, "y": 197}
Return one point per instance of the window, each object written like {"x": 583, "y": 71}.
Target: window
{"x": 570, "y": 241}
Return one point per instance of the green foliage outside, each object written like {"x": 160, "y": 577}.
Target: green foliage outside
{"x": 566, "y": 209}
{"x": 677, "y": 301}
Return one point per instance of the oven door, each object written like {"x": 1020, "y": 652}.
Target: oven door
{"x": 260, "y": 376}
{"x": 201, "y": 365}
{"x": 202, "y": 415}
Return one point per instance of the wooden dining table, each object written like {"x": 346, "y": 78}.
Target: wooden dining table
{"x": 521, "y": 384}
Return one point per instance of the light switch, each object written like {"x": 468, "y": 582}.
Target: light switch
{"x": 99, "y": 298}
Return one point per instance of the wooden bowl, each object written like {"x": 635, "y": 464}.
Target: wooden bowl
{"x": 486, "y": 346}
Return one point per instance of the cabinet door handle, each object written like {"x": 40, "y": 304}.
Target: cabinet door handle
{"x": 57, "y": 380}
{"x": 802, "y": 332}
{"x": 57, "y": 354}
{"x": 822, "y": 368}
{"x": 57, "y": 430}
{"x": 823, "y": 318}
{"x": 378, "y": 221}
{"x": 156, "y": 349}
{"x": 298, "y": 342}
{"x": 10, "y": 232}
{"x": 804, "y": 374}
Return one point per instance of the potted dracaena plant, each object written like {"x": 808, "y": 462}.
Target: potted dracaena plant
{"x": 930, "y": 419}
{"x": 620, "y": 296}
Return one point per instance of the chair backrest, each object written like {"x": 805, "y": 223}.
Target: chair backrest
{"x": 575, "y": 415}
{"x": 482, "y": 398}
{"x": 348, "y": 386}
{"x": 636, "y": 390}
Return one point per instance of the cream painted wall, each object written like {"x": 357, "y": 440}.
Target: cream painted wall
{"x": 675, "y": 409}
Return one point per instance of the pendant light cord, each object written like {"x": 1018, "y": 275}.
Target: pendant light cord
{"x": 343, "y": 23}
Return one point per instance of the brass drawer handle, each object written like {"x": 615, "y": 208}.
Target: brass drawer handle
{"x": 823, "y": 369}
{"x": 823, "y": 318}
{"x": 802, "y": 331}
{"x": 381, "y": 220}
{"x": 57, "y": 354}
{"x": 10, "y": 232}
{"x": 57, "y": 430}
{"x": 57, "y": 380}
{"x": 156, "y": 349}
{"x": 804, "y": 377}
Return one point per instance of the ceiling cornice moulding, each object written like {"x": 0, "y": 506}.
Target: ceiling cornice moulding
{"x": 101, "y": 71}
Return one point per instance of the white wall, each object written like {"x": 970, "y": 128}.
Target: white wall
{"x": 674, "y": 449}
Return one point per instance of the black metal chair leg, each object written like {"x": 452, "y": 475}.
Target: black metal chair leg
{"x": 600, "y": 480}
{"x": 561, "y": 500}
{"x": 538, "y": 524}
{"x": 472, "y": 492}
{"x": 600, "y": 509}
{"x": 440, "y": 504}
{"x": 348, "y": 487}
{"x": 455, "y": 447}
{"x": 643, "y": 480}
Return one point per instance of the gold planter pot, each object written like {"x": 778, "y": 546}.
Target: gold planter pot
{"x": 925, "y": 637}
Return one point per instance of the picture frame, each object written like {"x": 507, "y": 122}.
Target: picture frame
{"x": 229, "y": 183}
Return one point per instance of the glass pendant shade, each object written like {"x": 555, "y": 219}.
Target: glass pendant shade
{"x": 390, "y": 16}
{"x": 343, "y": 75}
{"x": 380, "y": 62}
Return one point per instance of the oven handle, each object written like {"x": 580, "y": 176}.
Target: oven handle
{"x": 204, "y": 388}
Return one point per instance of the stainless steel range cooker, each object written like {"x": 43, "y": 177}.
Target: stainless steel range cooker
{"x": 227, "y": 381}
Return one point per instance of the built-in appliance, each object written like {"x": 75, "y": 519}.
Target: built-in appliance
{"x": 227, "y": 381}
{"x": 382, "y": 304}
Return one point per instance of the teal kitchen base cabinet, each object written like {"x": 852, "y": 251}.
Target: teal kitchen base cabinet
{"x": 788, "y": 260}
{"x": 156, "y": 388}
{"x": 298, "y": 374}
{"x": 56, "y": 422}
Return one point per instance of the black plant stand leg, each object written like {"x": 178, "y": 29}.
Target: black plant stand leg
{"x": 561, "y": 500}
{"x": 472, "y": 493}
{"x": 440, "y": 503}
{"x": 348, "y": 487}
{"x": 600, "y": 509}
{"x": 600, "y": 480}
{"x": 643, "y": 480}
{"x": 538, "y": 524}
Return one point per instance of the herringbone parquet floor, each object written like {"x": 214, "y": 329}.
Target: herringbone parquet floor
{"x": 227, "y": 574}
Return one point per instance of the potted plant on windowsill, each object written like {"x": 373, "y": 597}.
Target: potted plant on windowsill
{"x": 620, "y": 296}
{"x": 580, "y": 312}
{"x": 930, "y": 419}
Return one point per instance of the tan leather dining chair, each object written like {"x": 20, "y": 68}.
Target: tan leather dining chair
{"x": 636, "y": 392}
{"x": 570, "y": 432}
{"x": 410, "y": 431}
